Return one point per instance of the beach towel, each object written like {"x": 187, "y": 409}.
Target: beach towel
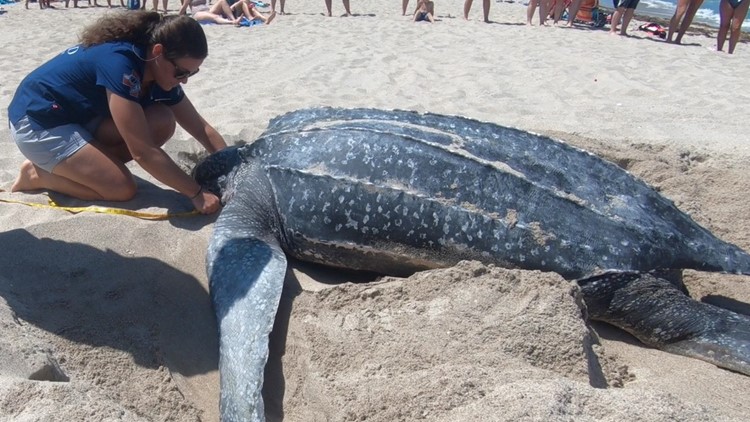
{"x": 245, "y": 22}
{"x": 654, "y": 29}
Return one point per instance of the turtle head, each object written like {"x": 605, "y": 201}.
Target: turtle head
{"x": 213, "y": 172}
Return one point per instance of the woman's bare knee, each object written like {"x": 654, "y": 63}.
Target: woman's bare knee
{"x": 121, "y": 191}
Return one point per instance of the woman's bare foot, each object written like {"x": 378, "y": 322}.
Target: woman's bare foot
{"x": 28, "y": 178}
{"x": 270, "y": 17}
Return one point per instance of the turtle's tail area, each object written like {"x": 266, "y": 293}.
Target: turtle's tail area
{"x": 661, "y": 315}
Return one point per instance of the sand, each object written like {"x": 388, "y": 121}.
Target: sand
{"x": 107, "y": 317}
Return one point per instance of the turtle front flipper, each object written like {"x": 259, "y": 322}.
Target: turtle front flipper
{"x": 246, "y": 276}
{"x": 660, "y": 314}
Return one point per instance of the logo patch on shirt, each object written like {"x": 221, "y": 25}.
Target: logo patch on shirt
{"x": 133, "y": 82}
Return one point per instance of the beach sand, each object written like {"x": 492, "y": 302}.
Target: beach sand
{"x": 107, "y": 317}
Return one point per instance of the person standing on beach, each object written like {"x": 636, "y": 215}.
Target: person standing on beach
{"x": 164, "y": 4}
{"x": 531, "y": 8}
{"x": 625, "y": 11}
{"x": 346, "y": 7}
{"x": 485, "y": 8}
{"x": 682, "y": 18}
{"x": 113, "y": 98}
{"x": 732, "y": 13}
{"x": 281, "y": 3}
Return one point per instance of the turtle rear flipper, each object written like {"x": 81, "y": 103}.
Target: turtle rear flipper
{"x": 659, "y": 313}
{"x": 725, "y": 342}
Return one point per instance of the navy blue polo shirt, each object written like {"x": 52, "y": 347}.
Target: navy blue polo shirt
{"x": 71, "y": 87}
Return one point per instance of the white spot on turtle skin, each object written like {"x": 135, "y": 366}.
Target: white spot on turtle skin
{"x": 341, "y": 199}
{"x": 446, "y": 228}
{"x": 350, "y": 222}
{"x": 326, "y": 220}
{"x": 338, "y": 227}
{"x": 365, "y": 219}
{"x": 368, "y": 208}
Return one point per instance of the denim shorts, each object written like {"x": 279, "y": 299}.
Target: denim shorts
{"x": 49, "y": 147}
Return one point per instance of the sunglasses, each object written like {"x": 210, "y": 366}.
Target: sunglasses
{"x": 180, "y": 73}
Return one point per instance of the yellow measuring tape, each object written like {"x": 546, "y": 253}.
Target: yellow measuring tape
{"x": 104, "y": 210}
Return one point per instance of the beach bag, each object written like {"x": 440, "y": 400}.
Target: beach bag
{"x": 590, "y": 14}
{"x": 599, "y": 18}
{"x": 134, "y": 4}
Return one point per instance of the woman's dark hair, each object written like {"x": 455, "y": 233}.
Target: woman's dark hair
{"x": 181, "y": 36}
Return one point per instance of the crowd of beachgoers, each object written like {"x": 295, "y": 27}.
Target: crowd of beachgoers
{"x": 565, "y": 13}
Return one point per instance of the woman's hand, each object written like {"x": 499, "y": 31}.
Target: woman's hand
{"x": 206, "y": 202}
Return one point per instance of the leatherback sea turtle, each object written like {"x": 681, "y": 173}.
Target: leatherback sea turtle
{"x": 397, "y": 191}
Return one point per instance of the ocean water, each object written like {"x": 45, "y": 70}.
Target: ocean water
{"x": 708, "y": 13}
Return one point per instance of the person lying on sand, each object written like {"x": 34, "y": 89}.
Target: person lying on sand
{"x": 247, "y": 9}
{"x": 219, "y": 13}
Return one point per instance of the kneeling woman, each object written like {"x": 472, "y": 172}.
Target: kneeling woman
{"x": 113, "y": 98}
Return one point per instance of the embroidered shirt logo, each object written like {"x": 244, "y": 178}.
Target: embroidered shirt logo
{"x": 133, "y": 82}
